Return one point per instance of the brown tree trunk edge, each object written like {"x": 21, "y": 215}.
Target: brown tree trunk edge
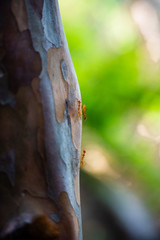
{"x": 40, "y": 130}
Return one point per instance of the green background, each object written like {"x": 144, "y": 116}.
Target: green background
{"x": 120, "y": 86}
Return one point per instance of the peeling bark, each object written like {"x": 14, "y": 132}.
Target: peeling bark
{"x": 40, "y": 131}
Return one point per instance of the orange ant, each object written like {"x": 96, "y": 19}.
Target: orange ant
{"x": 84, "y": 108}
{"x": 81, "y": 110}
{"x": 83, "y": 163}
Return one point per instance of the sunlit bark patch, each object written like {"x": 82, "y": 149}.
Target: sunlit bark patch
{"x": 59, "y": 86}
{"x": 76, "y": 122}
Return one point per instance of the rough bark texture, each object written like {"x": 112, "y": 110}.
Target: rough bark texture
{"x": 40, "y": 131}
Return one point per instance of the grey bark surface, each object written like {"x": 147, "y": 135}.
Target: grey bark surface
{"x": 40, "y": 130}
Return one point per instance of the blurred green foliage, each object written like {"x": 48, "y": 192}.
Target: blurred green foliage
{"x": 120, "y": 86}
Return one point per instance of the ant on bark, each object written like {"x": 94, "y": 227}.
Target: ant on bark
{"x": 83, "y": 163}
{"x": 84, "y": 108}
{"x": 81, "y": 110}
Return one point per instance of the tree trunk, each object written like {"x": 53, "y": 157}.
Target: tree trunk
{"x": 40, "y": 128}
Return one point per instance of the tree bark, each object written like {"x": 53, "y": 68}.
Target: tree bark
{"x": 40, "y": 130}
